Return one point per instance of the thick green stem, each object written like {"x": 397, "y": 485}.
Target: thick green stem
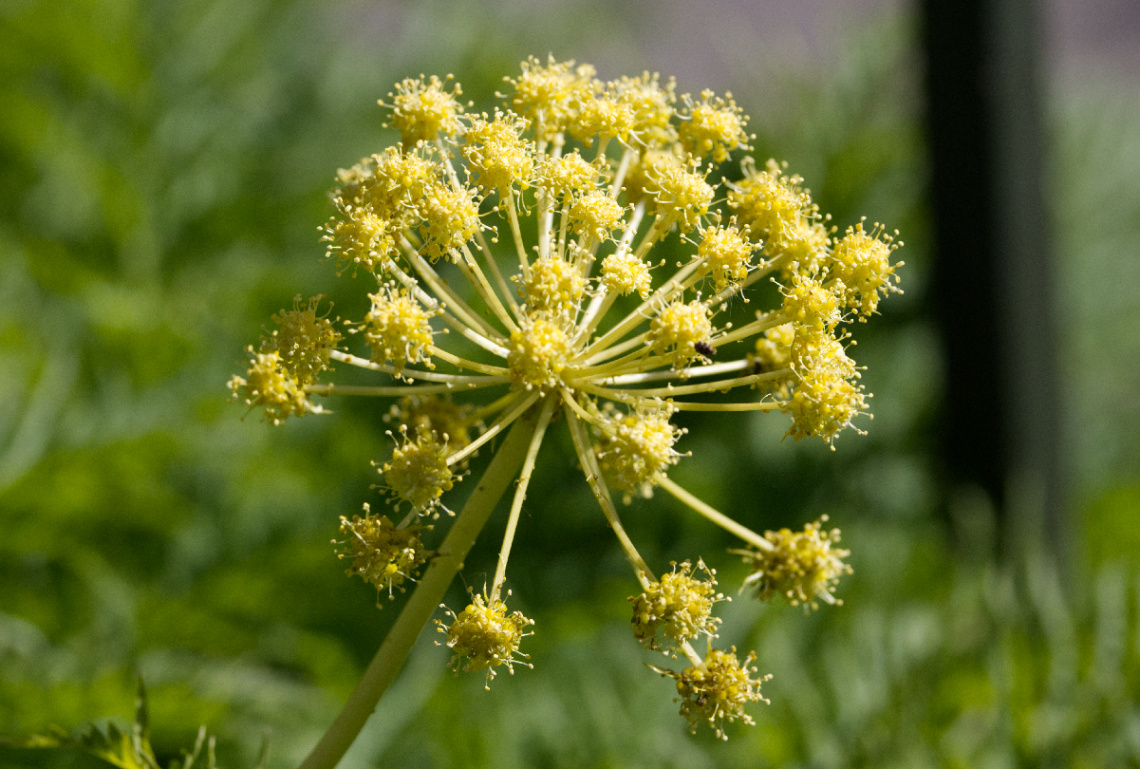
{"x": 423, "y": 602}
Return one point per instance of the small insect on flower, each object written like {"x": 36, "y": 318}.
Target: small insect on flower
{"x": 518, "y": 273}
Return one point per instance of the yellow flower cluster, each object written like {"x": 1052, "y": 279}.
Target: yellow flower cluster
{"x": 418, "y": 472}
{"x": 678, "y": 331}
{"x": 518, "y": 288}
{"x": 397, "y": 329}
{"x": 382, "y": 554}
{"x": 422, "y": 110}
{"x": 291, "y": 358}
{"x": 484, "y": 636}
{"x": 801, "y": 566}
{"x": 716, "y": 690}
{"x": 676, "y": 609}
{"x": 636, "y": 448}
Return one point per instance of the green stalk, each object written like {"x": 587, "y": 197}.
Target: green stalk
{"x": 425, "y": 598}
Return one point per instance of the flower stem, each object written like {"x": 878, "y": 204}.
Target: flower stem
{"x": 601, "y": 493}
{"x": 520, "y": 494}
{"x": 714, "y": 515}
{"x": 429, "y": 592}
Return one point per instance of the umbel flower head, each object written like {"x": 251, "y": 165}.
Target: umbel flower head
{"x": 518, "y": 286}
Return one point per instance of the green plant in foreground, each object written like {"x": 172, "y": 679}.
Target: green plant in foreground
{"x": 106, "y": 746}
{"x": 517, "y": 287}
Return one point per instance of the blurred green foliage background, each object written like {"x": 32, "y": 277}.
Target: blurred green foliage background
{"x": 163, "y": 168}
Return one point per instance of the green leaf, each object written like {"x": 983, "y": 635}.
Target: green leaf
{"x": 50, "y": 757}
{"x": 99, "y": 746}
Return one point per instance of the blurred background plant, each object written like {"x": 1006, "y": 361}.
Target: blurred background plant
{"x": 163, "y": 169}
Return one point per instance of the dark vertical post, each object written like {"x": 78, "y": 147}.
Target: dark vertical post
{"x": 992, "y": 278}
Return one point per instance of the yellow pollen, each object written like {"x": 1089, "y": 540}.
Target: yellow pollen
{"x": 596, "y": 215}
{"x": 553, "y": 286}
{"x": 539, "y": 352}
{"x": 624, "y": 273}
{"x": 422, "y": 111}
{"x": 715, "y": 126}
{"x": 397, "y": 329}
{"x": 677, "y": 329}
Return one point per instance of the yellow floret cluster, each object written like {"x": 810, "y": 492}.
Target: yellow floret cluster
{"x": 635, "y": 449}
{"x": 801, "y": 566}
{"x": 676, "y": 609}
{"x": 497, "y": 154}
{"x": 269, "y": 385}
{"x": 680, "y": 193}
{"x": 713, "y": 127}
{"x": 554, "y": 286}
{"x": 678, "y": 329}
{"x": 567, "y": 175}
{"x": 861, "y": 265}
{"x": 772, "y": 204}
{"x": 484, "y": 636}
{"x": 716, "y": 690}
{"x": 422, "y": 110}
{"x": 623, "y": 273}
{"x": 382, "y": 553}
{"x": 418, "y": 472}
{"x": 304, "y": 339}
{"x": 397, "y": 329}
{"x": 595, "y": 215}
{"x": 538, "y": 353}
{"x": 727, "y": 254}
{"x": 827, "y": 395}
{"x": 291, "y": 357}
